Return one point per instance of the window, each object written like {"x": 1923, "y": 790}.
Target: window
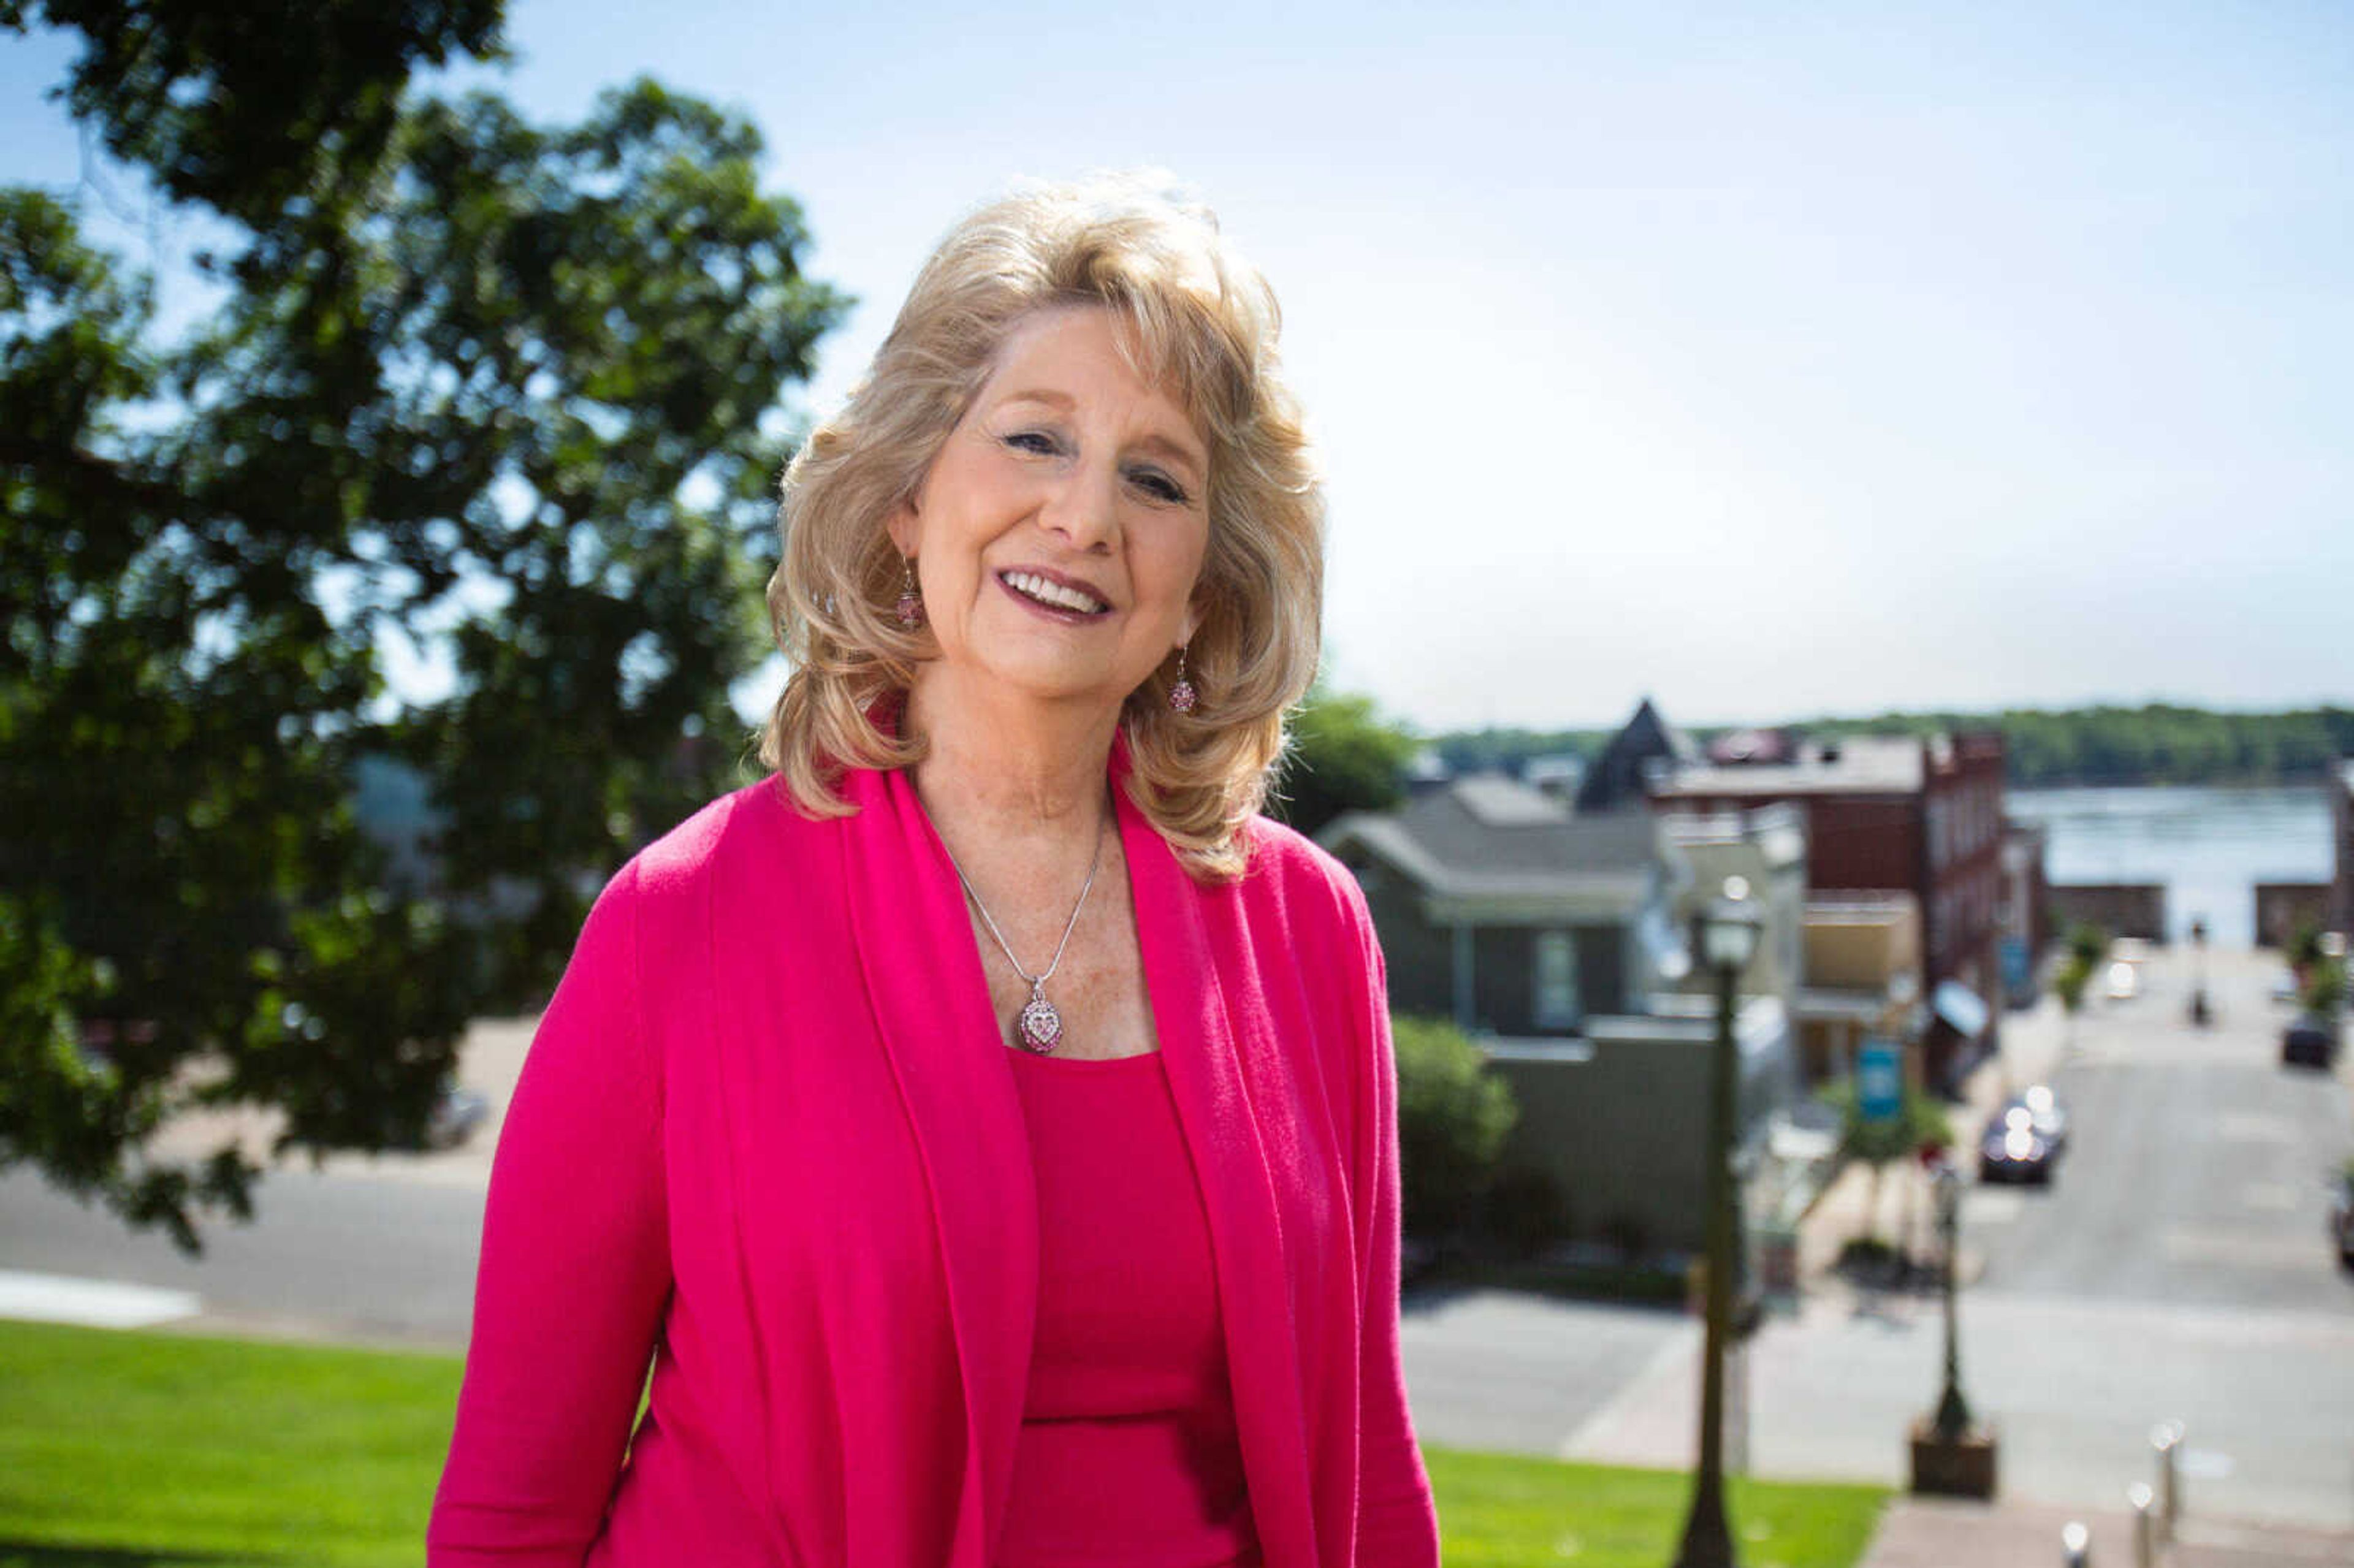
{"x": 1556, "y": 998}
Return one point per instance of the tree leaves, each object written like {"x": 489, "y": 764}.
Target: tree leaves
{"x": 1344, "y": 757}
{"x": 254, "y": 107}
{"x": 500, "y": 387}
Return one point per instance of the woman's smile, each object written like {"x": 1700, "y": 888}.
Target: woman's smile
{"x": 1053, "y": 595}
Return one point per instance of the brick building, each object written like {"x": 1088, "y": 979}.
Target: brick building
{"x": 1922, "y": 816}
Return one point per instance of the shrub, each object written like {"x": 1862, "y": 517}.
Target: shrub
{"x": 2324, "y": 987}
{"x": 2068, "y": 982}
{"x": 1526, "y": 1211}
{"x": 1453, "y": 1118}
{"x": 1920, "y": 1123}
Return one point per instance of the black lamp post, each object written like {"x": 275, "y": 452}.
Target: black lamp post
{"x": 2202, "y": 1013}
{"x": 1724, "y": 936}
{"x": 1952, "y": 1422}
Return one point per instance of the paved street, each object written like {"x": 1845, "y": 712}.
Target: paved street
{"x": 378, "y": 1251}
{"x": 2176, "y": 1269}
{"x": 1490, "y": 1369}
{"x": 370, "y": 1260}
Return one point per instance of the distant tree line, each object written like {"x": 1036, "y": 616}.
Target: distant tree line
{"x": 2155, "y": 744}
{"x": 1505, "y": 749}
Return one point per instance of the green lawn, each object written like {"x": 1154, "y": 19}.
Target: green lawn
{"x": 164, "y": 1451}
{"x": 1499, "y": 1509}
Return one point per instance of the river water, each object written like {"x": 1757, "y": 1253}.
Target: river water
{"x": 2210, "y": 847}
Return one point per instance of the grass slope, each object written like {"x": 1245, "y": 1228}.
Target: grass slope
{"x": 165, "y": 1451}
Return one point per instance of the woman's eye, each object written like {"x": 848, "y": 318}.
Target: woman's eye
{"x": 1038, "y": 443}
{"x": 1160, "y": 486}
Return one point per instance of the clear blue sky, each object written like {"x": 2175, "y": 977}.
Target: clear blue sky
{"x": 1857, "y": 358}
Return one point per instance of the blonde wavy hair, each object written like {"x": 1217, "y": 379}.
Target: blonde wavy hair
{"x": 1200, "y": 321}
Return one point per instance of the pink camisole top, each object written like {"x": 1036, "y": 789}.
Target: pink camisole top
{"x": 1129, "y": 1455}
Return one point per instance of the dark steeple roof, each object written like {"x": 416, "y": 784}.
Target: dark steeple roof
{"x": 1649, "y": 744}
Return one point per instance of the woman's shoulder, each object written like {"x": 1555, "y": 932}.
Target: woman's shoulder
{"x": 756, "y": 825}
{"x": 1291, "y": 870}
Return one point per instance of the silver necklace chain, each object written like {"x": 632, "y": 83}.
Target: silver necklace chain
{"x": 1040, "y": 1025}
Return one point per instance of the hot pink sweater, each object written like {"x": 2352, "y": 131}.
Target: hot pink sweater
{"x": 767, "y": 1138}
{"x": 1128, "y": 1453}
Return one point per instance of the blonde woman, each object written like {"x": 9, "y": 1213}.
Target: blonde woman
{"x": 984, "y": 1126}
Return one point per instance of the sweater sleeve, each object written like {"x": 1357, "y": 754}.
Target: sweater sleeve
{"x": 574, "y": 1275}
{"x": 1397, "y": 1523}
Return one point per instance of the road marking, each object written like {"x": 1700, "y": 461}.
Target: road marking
{"x": 2254, "y": 1127}
{"x": 1984, "y": 1206}
{"x": 2233, "y": 1249}
{"x": 92, "y": 1303}
{"x": 2274, "y": 1195}
{"x": 1637, "y": 1409}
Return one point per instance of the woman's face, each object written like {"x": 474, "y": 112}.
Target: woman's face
{"x": 1059, "y": 532}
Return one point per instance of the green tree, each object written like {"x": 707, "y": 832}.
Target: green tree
{"x": 251, "y": 107}
{"x": 1344, "y": 757}
{"x": 1453, "y": 1118}
{"x": 2324, "y": 988}
{"x": 510, "y": 391}
{"x": 1919, "y": 1123}
{"x": 2086, "y": 946}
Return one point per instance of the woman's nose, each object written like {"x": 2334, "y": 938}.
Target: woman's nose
{"x": 1085, "y": 508}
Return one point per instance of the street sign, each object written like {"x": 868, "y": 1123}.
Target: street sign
{"x": 2018, "y": 968}
{"x": 1878, "y": 1081}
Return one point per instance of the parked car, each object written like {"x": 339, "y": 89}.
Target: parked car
{"x": 2011, "y": 1149}
{"x": 2311, "y": 1042}
{"x": 2049, "y": 1121}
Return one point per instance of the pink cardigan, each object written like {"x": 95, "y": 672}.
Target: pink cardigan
{"x": 768, "y": 1136}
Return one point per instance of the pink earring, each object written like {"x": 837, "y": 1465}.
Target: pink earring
{"x": 910, "y": 608}
{"x": 1181, "y": 697}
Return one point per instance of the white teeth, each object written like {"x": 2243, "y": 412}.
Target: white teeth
{"x": 1046, "y": 591}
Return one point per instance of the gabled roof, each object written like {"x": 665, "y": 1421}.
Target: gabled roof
{"x": 1492, "y": 847}
{"x": 1646, "y": 747}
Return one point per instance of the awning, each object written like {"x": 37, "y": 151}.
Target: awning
{"x": 1958, "y": 1005}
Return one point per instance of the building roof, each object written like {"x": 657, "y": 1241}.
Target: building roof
{"x": 1860, "y": 765}
{"x": 1777, "y": 831}
{"x": 1492, "y": 846}
{"x": 1851, "y": 906}
{"x": 1647, "y": 747}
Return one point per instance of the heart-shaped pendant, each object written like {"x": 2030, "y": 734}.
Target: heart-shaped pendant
{"x": 1041, "y": 1026}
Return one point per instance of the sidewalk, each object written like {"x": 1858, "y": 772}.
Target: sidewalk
{"x": 489, "y": 1060}
{"x": 1938, "y": 1532}
{"x": 2031, "y": 1046}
